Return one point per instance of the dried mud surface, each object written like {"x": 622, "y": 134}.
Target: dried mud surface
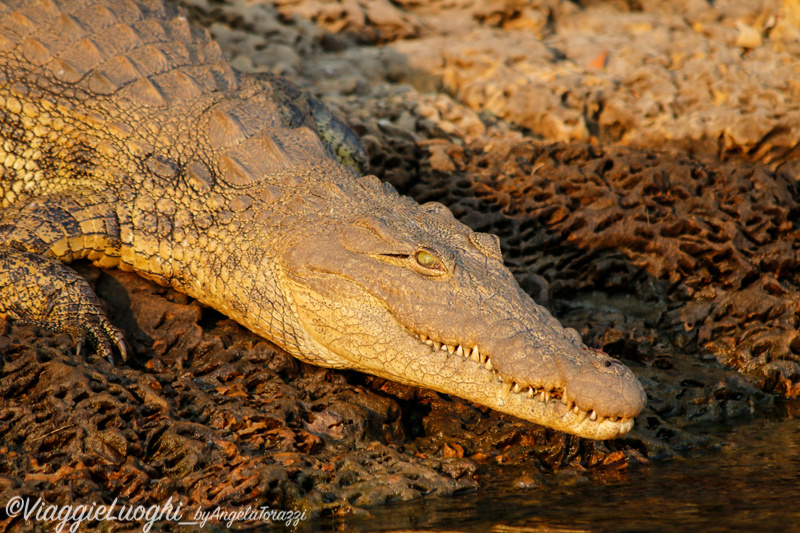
{"x": 638, "y": 162}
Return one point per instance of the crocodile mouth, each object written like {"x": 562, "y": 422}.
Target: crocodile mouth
{"x": 548, "y": 405}
{"x": 466, "y": 369}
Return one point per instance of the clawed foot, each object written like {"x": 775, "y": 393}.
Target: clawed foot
{"x": 46, "y": 293}
{"x": 101, "y": 335}
{"x": 92, "y": 328}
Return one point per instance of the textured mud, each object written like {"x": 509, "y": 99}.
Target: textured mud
{"x": 215, "y": 416}
{"x": 682, "y": 263}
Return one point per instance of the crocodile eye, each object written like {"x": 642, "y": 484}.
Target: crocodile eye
{"x": 427, "y": 260}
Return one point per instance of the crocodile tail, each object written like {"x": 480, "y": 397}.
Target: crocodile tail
{"x": 338, "y": 138}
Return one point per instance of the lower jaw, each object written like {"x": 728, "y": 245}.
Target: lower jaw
{"x": 456, "y": 376}
{"x": 558, "y": 416}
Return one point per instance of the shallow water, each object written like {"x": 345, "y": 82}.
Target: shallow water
{"x": 753, "y": 482}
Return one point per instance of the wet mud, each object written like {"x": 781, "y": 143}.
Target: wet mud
{"x": 639, "y": 166}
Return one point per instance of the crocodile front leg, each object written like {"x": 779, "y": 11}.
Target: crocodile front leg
{"x": 36, "y": 287}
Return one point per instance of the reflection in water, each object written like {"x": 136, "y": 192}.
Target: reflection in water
{"x": 752, "y": 483}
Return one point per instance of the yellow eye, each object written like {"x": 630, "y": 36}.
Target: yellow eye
{"x": 426, "y": 259}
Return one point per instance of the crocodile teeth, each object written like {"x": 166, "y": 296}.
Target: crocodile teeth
{"x": 564, "y": 399}
{"x": 581, "y": 416}
{"x": 545, "y": 395}
{"x": 423, "y": 338}
{"x": 429, "y": 342}
{"x": 593, "y": 416}
{"x": 488, "y": 363}
{"x": 516, "y": 388}
{"x": 576, "y": 410}
{"x": 505, "y": 390}
{"x": 531, "y": 392}
{"x": 436, "y": 345}
{"x": 451, "y": 349}
{"x": 459, "y": 350}
{"x": 475, "y": 355}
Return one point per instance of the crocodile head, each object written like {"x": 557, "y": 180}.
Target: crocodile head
{"x": 408, "y": 293}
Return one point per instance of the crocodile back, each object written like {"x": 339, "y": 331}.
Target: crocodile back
{"x": 105, "y": 95}
{"x": 145, "y": 50}
{"x": 99, "y": 94}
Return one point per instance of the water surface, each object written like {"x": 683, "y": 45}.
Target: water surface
{"x": 751, "y": 483}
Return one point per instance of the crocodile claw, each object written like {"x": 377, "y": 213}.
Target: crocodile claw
{"x": 55, "y": 297}
{"x": 90, "y": 328}
{"x": 102, "y": 335}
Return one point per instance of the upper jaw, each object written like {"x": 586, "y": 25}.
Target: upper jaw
{"x": 536, "y": 352}
{"x": 478, "y": 376}
{"x": 600, "y": 382}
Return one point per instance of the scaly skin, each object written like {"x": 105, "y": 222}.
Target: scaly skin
{"x": 130, "y": 142}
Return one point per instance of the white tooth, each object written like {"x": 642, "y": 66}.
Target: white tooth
{"x": 593, "y": 416}
{"x": 451, "y": 349}
{"x": 488, "y": 364}
{"x": 436, "y": 345}
{"x": 576, "y": 409}
{"x": 475, "y": 355}
{"x": 429, "y": 342}
{"x": 459, "y": 350}
{"x": 582, "y": 416}
{"x": 505, "y": 390}
{"x": 516, "y": 388}
{"x": 546, "y": 396}
{"x": 530, "y": 392}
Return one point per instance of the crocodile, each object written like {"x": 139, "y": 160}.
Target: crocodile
{"x": 130, "y": 142}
